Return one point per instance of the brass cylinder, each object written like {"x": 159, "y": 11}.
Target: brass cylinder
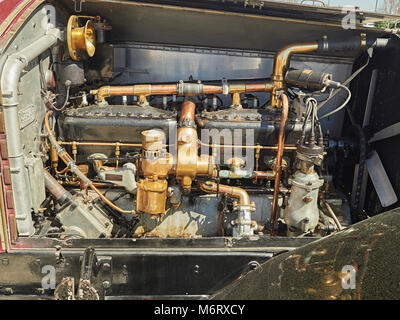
{"x": 151, "y": 195}
{"x": 156, "y": 165}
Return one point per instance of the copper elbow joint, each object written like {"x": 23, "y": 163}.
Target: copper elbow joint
{"x": 235, "y": 192}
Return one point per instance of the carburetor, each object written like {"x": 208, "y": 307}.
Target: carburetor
{"x": 156, "y": 164}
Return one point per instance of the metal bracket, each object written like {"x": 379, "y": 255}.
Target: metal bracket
{"x": 92, "y": 267}
{"x": 225, "y": 87}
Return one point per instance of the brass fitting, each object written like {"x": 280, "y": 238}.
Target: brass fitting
{"x": 151, "y": 195}
{"x": 155, "y": 161}
{"x": 156, "y": 165}
{"x": 238, "y": 193}
{"x": 81, "y": 38}
{"x": 189, "y": 164}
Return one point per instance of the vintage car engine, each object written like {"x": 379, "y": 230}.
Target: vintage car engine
{"x": 120, "y": 158}
{"x": 161, "y": 169}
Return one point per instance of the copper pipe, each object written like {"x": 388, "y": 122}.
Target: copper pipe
{"x": 278, "y": 165}
{"x": 187, "y": 111}
{"x": 235, "y": 192}
{"x": 282, "y": 63}
{"x": 287, "y": 147}
{"x": 259, "y": 87}
{"x": 269, "y": 175}
{"x": 109, "y": 203}
{"x": 212, "y": 89}
{"x": 171, "y": 89}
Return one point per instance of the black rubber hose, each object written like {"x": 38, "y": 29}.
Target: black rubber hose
{"x": 353, "y": 43}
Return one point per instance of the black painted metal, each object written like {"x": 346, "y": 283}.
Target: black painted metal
{"x": 315, "y": 271}
{"x": 140, "y": 267}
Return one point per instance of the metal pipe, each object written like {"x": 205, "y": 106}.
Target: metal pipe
{"x": 235, "y": 192}
{"x": 100, "y": 144}
{"x": 138, "y": 145}
{"x": 70, "y": 163}
{"x": 5, "y": 232}
{"x": 333, "y": 215}
{"x": 278, "y": 165}
{"x": 189, "y": 164}
{"x": 287, "y": 147}
{"x": 55, "y": 188}
{"x": 187, "y": 112}
{"x": 243, "y": 225}
{"x": 180, "y": 89}
{"x": 282, "y": 63}
{"x": 10, "y": 100}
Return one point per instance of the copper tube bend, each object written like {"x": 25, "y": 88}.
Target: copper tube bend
{"x": 278, "y": 170}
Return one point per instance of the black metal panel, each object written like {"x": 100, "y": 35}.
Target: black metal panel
{"x": 141, "y": 267}
{"x": 219, "y": 24}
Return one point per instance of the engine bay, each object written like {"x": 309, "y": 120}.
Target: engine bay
{"x": 122, "y": 147}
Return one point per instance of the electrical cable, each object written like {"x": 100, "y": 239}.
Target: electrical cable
{"x": 342, "y": 106}
{"x": 355, "y": 74}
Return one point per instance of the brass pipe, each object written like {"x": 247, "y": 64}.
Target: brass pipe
{"x": 278, "y": 165}
{"x": 189, "y": 164}
{"x": 99, "y": 144}
{"x": 282, "y": 63}
{"x": 235, "y": 192}
{"x": 138, "y": 145}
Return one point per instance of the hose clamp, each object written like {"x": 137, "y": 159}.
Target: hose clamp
{"x": 225, "y": 87}
{"x": 325, "y": 43}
